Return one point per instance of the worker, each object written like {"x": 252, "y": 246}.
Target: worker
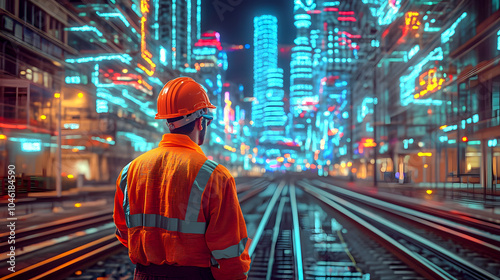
{"x": 176, "y": 211}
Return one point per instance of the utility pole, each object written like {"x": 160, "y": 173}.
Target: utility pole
{"x": 375, "y": 101}
{"x": 59, "y": 140}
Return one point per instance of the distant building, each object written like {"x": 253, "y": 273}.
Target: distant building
{"x": 268, "y": 108}
{"x": 179, "y": 27}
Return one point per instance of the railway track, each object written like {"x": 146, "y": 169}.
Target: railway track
{"x": 303, "y": 230}
{"x": 435, "y": 247}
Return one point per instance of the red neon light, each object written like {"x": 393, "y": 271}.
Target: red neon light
{"x": 209, "y": 43}
{"x": 213, "y": 34}
{"x": 385, "y": 33}
{"x": 346, "y": 19}
{"x": 314, "y": 12}
{"x": 331, "y": 9}
{"x": 226, "y": 84}
{"x": 349, "y": 35}
{"x": 348, "y": 13}
{"x": 325, "y": 25}
{"x": 343, "y": 41}
{"x": 13, "y": 126}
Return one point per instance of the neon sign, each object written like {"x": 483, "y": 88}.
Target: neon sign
{"x": 411, "y": 20}
{"x": 144, "y": 52}
{"x": 430, "y": 81}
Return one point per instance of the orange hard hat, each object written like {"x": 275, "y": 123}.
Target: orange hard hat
{"x": 180, "y": 97}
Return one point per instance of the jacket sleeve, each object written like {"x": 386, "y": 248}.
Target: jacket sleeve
{"x": 119, "y": 215}
{"x": 226, "y": 234}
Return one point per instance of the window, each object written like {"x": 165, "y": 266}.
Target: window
{"x": 22, "y": 9}
{"x": 29, "y": 13}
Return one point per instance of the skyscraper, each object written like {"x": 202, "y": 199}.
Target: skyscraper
{"x": 179, "y": 29}
{"x": 268, "y": 113}
{"x": 301, "y": 78}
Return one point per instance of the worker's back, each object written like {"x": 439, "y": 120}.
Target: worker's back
{"x": 174, "y": 208}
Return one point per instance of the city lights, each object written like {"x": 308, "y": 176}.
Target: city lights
{"x": 362, "y": 89}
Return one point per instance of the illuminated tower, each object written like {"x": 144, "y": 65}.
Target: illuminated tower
{"x": 267, "y": 110}
{"x": 179, "y": 29}
{"x": 302, "y": 100}
{"x": 274, "y": 116}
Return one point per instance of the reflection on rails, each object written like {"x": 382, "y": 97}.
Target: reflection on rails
{"x": 415, "y": 237}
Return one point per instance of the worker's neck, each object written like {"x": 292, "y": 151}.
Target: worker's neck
{"x": 193, "y": 136}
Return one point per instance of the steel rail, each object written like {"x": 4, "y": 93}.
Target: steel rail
{"x": 265, "y": 218}
{"x": 296, "y": 234}
{"x": 419, "y": 263}
{"x": 484, "y": 239}
{"x": 61, "y": 264}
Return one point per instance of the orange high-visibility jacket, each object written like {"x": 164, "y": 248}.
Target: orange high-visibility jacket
{"x": 174, "y": 206}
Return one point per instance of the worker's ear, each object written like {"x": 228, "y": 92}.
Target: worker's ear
{"x": 199, "y": 124}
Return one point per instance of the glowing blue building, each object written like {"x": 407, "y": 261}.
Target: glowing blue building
{"x": 302, "y": 100}
{"x": 267, "y": 111}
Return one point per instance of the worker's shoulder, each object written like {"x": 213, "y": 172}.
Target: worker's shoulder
{"x": 222, "y": 171}
{"x": 148, "y": 155}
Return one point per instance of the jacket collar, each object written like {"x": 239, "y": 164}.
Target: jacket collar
{"x": 179, "y": 140}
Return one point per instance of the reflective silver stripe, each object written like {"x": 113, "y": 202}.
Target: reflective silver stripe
{"x": 199, "y": 184}
{"x": 123, "y": 187}
{"x": 231, "y": 251}
{"x": 172, "y": 224}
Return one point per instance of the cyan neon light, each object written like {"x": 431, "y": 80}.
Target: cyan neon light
{"x": 498, "y": 40}
{"x": 31, "y": 146}
{"x": 105, "y": 94}
{"x": 307, "y": 6}
{"x": 125, "y": 58}
{"x": 331, "y": 4}
{"x": 450, "y": 128}
{"x": 428, "y": 102}
{"x": 71, "y": 126}
{"x": 99, "y": 139}
{"x": 492, "y": 143}
{"x": 136, "y": 9}
{"x": 155, "y": 80}
{"x": 445, "y": 36}
{"x": 413, "y": 51}
{"x": 156, "y": 26}
{"x": 85, "y": 28}
{"x": 145, "y": 106}
{"x": 428, "y": 28}
{"x": 198, "y": 20}
{"x": 64, "y": 147}
{"x": 163, "y": 56}
{"x": 101, "y": 106}
{"x": 407, "y": 83}
{"x": 475, "y": 142}
{"x": 443, "y": 138}
{"x": 387, "y": 12}
{"x": 72, "y": 80}
{"x": 116, "y": 14}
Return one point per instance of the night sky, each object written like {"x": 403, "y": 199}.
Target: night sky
{"x": 236, "y": 27}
